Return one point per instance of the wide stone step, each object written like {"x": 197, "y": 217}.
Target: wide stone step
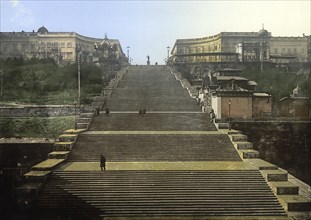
{"x": 153, "y": 121}
{"x": 154, "y": 148}
{"x": 58, "y": 155}
{"x": 84, "y": 120}
{"x": 248, "y": 154}
{"x": 158, "y": 193}
{"x": 63, "y": 146}
{"x": 67, "y": 137}
{"x": 48, "y": 164}
{"x": 82, "y": 125}
{"x": 86, "y": 115}
{"x": 284, "y": 188}
{"x": 36, "y": 175}
{"x": 296, "y": 203}
{"x": 238, "y": 137}
{"x": 261, "y": 164}
{"x": 275, "y": 175}
{"x": 74, "y": 131}
{"x": 243, "y": 145}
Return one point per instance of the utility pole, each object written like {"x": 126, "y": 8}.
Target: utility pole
{"x": 1, "y": 92}
{"x": 79, "y": 87}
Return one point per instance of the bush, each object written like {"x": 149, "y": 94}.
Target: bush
{"x": 36, "y": 80}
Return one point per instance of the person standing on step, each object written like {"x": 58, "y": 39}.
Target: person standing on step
{"x": 97, "y": 111}
{"x": 140, "y": 112}
{"x": 144, "y": 111}
{"x": 107, "y": 111}
{"x": 102, "y": 163}
{"x": 212, "y": 115}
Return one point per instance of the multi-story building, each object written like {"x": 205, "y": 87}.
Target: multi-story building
{"x": 61, "y": 46}
{"x": 242, "y": 46}
{"x": 287, "y": 49}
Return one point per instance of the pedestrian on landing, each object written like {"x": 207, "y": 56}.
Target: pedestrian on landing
{"x": 97, "y": 111}
{"x": 107, "y": 111}
{"x": 140, "y": 112}
{"x": 144, "y": 111}
{"x": 212, "y": 115}
{"x": 102, "y": 163}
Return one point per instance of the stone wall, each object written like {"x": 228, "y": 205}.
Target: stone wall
{"x": 286, "y": 144}
{"x": 39, "y": 111}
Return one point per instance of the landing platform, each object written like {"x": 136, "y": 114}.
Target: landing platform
{"x": 151, "y": 132}
{"x": 189, "y": 165}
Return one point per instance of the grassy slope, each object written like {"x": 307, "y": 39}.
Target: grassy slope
{"x": 47, "y": 127}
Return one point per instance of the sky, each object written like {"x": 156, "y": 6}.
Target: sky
{"x": 149, "y": 27}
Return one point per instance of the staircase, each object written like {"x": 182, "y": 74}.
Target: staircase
{"x": 174, "y": 130}
{"x": 153, "y": 89}
{"x": 158, "y": 193}
{"x": 216, "y": 147}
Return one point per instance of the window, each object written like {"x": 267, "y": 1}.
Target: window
{"x": 69, "y": 44}
{"x": 276, "y": 50}
{"x": 69, "y": 55}
{"x": 62, "y": 44}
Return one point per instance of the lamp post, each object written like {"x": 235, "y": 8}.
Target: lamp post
{"x": 75, "y": 116}
{"x": 128, "y": 53}
{"x": 168, "y": 53}
{"x": 229, "y": 103}
{"x": 79, "y": 84}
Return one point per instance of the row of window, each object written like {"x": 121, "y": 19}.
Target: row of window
{"x": 208, "y": 59}
{"x": 209, "y": 48}
{"x": 56, "y": 44}
{"x": 288, "y": 50}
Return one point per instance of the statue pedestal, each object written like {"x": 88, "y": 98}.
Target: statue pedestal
{"x": 148, "y": 62}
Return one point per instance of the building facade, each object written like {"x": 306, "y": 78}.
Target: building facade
{"x": 233, "y": 96}
{"x": 61, "y": 46}
{"x": 243, "y": 47}
{"x": 289, "y": 49}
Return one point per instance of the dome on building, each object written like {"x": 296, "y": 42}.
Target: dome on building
{"x": 263, "y": 31}
{"x": 42, "y": 30}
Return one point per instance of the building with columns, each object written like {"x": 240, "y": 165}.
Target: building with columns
{"x": 233, "y": 47}
{"x": 61, "y": 46}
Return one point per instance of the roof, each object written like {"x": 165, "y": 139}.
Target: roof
{"x": 261, "y": 94}
{"x": 42, "y": 30}
{"x": 252, "y": 83}
{"x": 228, "y": 78}
{"x": 237, "y": 89}
{"x": 291, "y": 97}
{"x": 229, "y": 70}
